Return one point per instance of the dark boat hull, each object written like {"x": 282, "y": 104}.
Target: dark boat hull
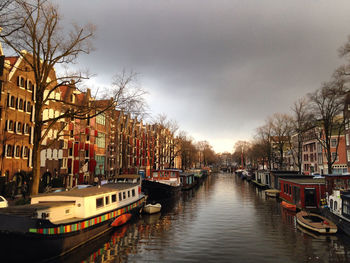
{"x": 157, "y": 191}
{"x": 32, "y": 247}
{"x": 341, "y": 223}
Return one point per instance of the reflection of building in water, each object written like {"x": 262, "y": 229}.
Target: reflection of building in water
{"x": 126, "y": 240}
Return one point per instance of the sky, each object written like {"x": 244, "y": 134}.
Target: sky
{"x": 219, "y": 68}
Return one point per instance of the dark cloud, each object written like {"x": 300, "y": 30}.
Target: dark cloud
{"x": 219, "y": 67}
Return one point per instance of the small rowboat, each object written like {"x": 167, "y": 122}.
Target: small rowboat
{"x": 152, "y": 209}
{"x": 272, "y": 193}
{"x": 316, "y": 223}
{"x": 289, "y": 206}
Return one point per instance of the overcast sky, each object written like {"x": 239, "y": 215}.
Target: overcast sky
{"x": 219, "y": 68}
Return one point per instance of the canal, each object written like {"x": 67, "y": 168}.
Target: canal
{"x": 225, "y": 219}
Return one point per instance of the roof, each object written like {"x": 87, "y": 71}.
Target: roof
{"x": 91, "y": 191}
{"x": 12, "y": 61}
{"x": 127, "y": 176}
{"x": 305, "y": 180}
{"x": 186, "y": 174}
{"x": 30, "y": 208}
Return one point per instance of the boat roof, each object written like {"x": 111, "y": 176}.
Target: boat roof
{"x": 127, "y": 176}
{"x": 30, "y": 208}
{"x": 305, "y": 180}
{"x": 91, "y": 191}
{"x": 186, "y": 174}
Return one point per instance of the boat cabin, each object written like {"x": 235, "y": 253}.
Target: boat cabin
{"x": 263, "y": 178}
{"x": 187, "y": 180}
{"x": 77, "y": 204}
{"x": 303, "y": 192}
{"x": 338, "y": 194}
{"x": 276, "y": 175}
{"x": 167, "y": 176}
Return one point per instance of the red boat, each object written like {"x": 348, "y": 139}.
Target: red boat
{"x": 289, "y": 206}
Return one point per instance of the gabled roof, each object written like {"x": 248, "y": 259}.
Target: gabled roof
{"x": 10, "y": 62}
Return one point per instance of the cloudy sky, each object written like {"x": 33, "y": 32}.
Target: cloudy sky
{"x": 218, "y": 67}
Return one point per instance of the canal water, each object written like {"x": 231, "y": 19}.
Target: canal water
{"x": 225, "y": 219}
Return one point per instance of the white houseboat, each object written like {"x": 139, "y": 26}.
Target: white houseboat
{"x": 56, "y": 223}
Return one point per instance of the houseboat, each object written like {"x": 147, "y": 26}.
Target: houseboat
{"x": 187, "y": 180}
{"x": 275, "y": 175}
{"x": 262, "y": 179}
{"x": 338, "y": 201}
{"x": 162, "y": 184}
{"x": 198, "y": 175}
{"x": 305, "y": 193}
{"x": 57, "y": 223}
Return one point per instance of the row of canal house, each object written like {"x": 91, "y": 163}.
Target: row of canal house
{"x": 74, "y": 150}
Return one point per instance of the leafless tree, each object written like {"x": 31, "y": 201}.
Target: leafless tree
{"x": 264, "y": 136}
{"x": 280, "y": 131}
{"x": 327, "y": 104}
{"x": 302, "y": 122}
{"x": 48, "y": 45}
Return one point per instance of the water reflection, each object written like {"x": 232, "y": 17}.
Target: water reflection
{"x": 226, "y": 219}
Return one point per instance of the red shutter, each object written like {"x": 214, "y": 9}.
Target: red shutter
{"x": 69, "y": 162}
{"x": 76, "y": 166}
{"x": 76, "y": 148}
{"x": 70, "y": 144}
{"x": 81, "y": 146}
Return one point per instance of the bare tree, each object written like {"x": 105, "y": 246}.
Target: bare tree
{"x": 169, "y": 145}
{"x": 48, "y": 45}
{"x": 280, "y": 131}
{"x": 264, "y": 136}
{"x": 302, "y": 122}
{"x": 327, "y": 104}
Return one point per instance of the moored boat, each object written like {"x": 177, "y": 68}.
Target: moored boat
{"x": 316, "y": 223}
{"x": 57, "y": 223}
{"x": 187, "y": 180}
{"x": 290, "y": 207}
{"x": 162, "y": 184}
{"x": 152, "y": 208}
{"x": 272, "y": 193}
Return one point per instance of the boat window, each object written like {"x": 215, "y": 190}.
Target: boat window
{"x": 99, "y": 202}
{"x": 107, "y": 200}
{"x": 155, "y": 174}
{"x": 67, "y": 211}
{"x": 120, "y": 196}
{"x": 128, "y": 194}
{"x": 124, "y": 195}
{"x": 114, "y": 198}
{"x": 331, "y": 204}
{"x": 133, "y": 192}
{"x": 346, "y": 207}
{"x": 335, "y": 205}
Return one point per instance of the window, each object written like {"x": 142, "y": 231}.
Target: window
{"x": 333, "y": 142}
{"x": 124, "y": 195}
{"x": 101, "y": 119}
{"x": 335, "y": 157}
{"x": 335, "y": 205}
{"x": 9, "y": 150}
{"x": 320, "y": 158}
{"x": 25, "y": 128}
{"x": 29, "y": 107}
{"x": 133, "y": 192}
{"x": 10, "y": 126}
{"x": 348, "y": 155}
{"x": 120, "y": 196}
{"x": 347, "y": 139}
{"x": 12, "y": 102}
{"x": 128, "y": 194}
{"x": 99, "y": 202}
{"x": 101, "y": 140}
{"x": 19, "y": 127}
{"x": 25, "y": 152}
{"x": 114, "y": 198}
{"x": 107, "y": 200}
{"x": 331, "y": 204}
